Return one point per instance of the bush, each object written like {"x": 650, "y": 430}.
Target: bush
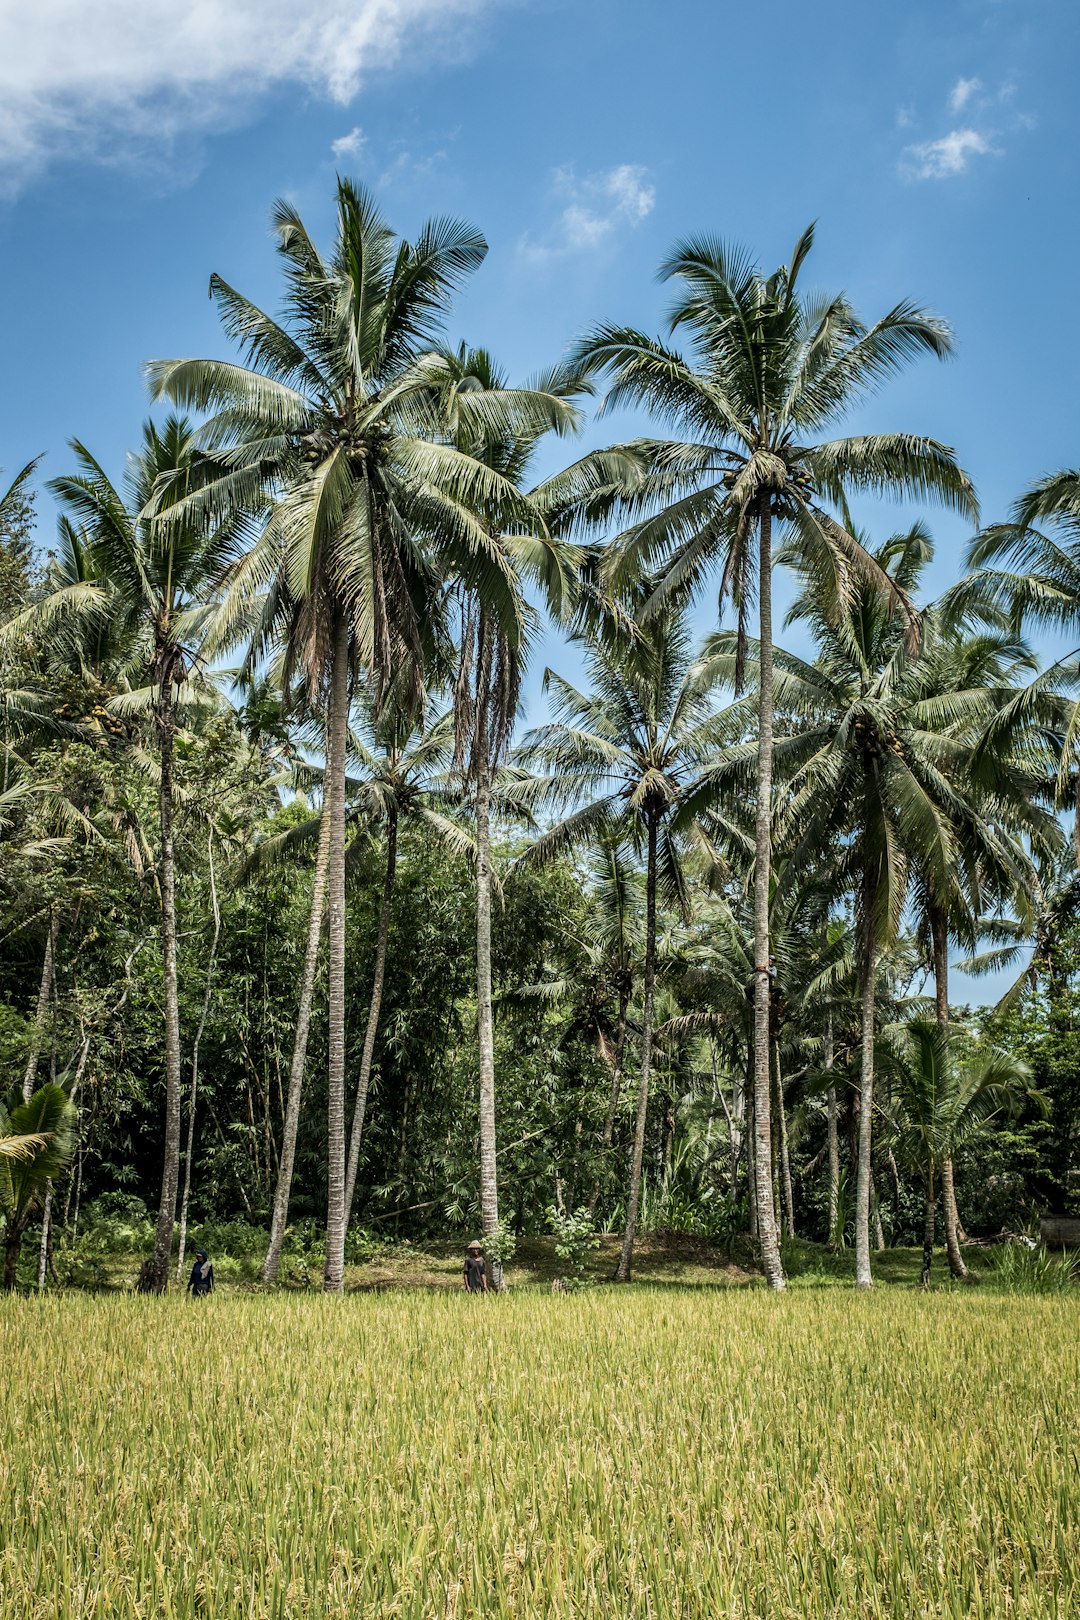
{"x": 575, "y": 1240}
{"x": 1034, "y": 1270}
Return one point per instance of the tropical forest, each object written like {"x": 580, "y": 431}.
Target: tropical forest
{"x": 499, "y": 1112}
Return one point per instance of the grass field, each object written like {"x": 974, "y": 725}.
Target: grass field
{"x": 670, "y": 1452}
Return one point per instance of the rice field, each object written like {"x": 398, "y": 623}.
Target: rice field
{"x": 669, "y": 1453}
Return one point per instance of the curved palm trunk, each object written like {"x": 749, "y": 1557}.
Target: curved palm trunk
{"x": 489, "y": 1185}
{"x": 185, "y": 1197}
{"x": 287, "y": 1158}
{"x": 622, "y": 1273}
{"x": 928, "y": 1228}
{"x": 158, "y": 1279}
{"x": 863, "y": 1275}
{"x": 940, "y": 934}
{"x": 334, "y": 1271}
{"x": 766, "y": 1209}
{"x": 373, "y": 1011}
{"x": 833, "y": 1139}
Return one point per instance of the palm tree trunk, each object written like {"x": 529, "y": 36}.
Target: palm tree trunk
{"x": 485, "y": 1032}
{"x": 863, "y": 1275}
{"x": 766, "y": 1209}
{"x": 158, "y": 1279}
{"x": 833, "y": 1138}
{"x": 940, "y": 935}
{"x": 45, "y": 990}
{"x": 373, "y": 1011}
{"x": 928, "y": 1228}
{"x": 334, "y": 1271}
{"x": 185, "y": 1196}
{"x": 617, "y": 1057}
{"x": 622, "y": 1273}
{"x": 751, "y": 1146}
{"x": 875, "y": 1214}
{"x": 287, "y": 1158}
{"x": 785, "y": 1159}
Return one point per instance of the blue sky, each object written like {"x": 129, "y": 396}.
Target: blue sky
{"x": 142, "y": 144}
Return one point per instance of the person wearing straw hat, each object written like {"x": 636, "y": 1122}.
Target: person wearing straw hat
{"x": 474, "y": 1274}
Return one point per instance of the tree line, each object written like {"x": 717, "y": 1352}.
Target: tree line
{"x": 659, "y": 957}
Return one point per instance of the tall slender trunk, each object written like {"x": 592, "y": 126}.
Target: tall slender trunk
{"x": 334, "y": 1271}
{"x": 45, "y": 1249}
{"x": 291, "y": 1123}
{"x": 185, "y": 1196}
{"x": 45, "y": 991}
{"x": 622, "y": 1273}
{"x": 940, "y": 935}
{"x": 863, "y": 1275}
{"x": 158, "y": 1278}
{"x": 785, "y": 1159}
{"x": 833, "y": 1137}
{"x": 485, "y": 1032}
{"x": 750, "y": 1138}
{"x": 768, "y": 1236}
{"x": 617, "y": 1057}
{"x": 928, "y": 1227}
{"x": 875, "y": 1216}
{"x": 368, "y": 1053}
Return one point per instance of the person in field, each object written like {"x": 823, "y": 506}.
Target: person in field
{"x": 201, "y": 1280}
{"x": 475, "y": 1272}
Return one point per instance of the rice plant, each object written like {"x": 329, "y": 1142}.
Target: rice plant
{"x": 682, "y": 1454}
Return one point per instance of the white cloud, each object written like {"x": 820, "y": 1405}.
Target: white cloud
{"x": 594, "y": 207}
{"x": 350, "y": 145}
{"x": 962, "y": 92}
{"x": 944, "y": 158}
{"x": 101, "y": 77}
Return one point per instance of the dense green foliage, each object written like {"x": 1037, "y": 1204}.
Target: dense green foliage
{"x": 725, "y": 881}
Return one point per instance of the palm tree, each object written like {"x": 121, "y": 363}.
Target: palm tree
{"x": 944, "y": 1100}
{"x": 877, "y": 757}
{"x": 139, "y": 586}
{"x": 769, "y": 371}
{"x": 399, "y": 773}
{"x": 500, "y": 428}
{"x": 623, "y": 754}
{"x": 35, "y": 1144}
{"x": 975, "y": 674}
{"x": 326, "y": 432}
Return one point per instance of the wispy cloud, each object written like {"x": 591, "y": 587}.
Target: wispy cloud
{"x": 103, "y": 78}
{"x": 941, "y": 159}
{"x": 987, "y": 111}
{"x": 594, "y": 207}
{"x": 962, "y": 92}
{"x": 350, "y": 145}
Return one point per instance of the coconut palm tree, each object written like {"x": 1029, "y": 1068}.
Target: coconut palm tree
{"x": 500, "y": 428}
{"x": 398, "y": 772}
{"x": 876, "y": 757}
{"x": 325, "y": 435}
{"x": 136, "y": 585}
{"x": 944, "y": 1097}
{"x": 622, "y": 754}
{"x": 35, "y": 1144}
{"x": 770, "y": 370}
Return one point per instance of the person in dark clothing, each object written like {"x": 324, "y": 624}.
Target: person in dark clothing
{"x": 201, "y": 1280}
{"x": 475, "y": 1272}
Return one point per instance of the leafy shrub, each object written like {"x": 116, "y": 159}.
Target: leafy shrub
{"x": 575, "y": 1240}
